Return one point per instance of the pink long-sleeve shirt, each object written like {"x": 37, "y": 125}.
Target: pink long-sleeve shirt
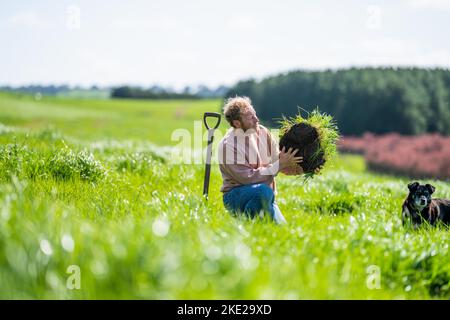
{"x": 247, "y": 158}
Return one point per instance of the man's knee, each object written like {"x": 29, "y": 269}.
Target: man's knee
{"x": 262, "y": 200}
{"x": 264, "y": 193}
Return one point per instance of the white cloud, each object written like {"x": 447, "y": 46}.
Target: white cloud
{"x": 27, "y": 20}
{"x": 242, "y": 23}
{"x": 388, "y": 46}
{"x": 388, "y": 51}
{"x": 98, "y": 65}
{"x": 436, "y": 58}
{"x": 146, "y": 24}
{"x": 434, "y": 4}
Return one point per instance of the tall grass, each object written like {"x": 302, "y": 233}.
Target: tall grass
{"x": 137, "y": 226}
{"x": 61, "y": 164}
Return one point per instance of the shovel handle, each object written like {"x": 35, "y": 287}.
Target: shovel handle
{"x": 208, "y": 149}
{"x": 214, "y": 115}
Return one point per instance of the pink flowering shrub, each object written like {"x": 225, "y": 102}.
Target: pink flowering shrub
{"x": 424, "y": 156}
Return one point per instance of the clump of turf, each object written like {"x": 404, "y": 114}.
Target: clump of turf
{"x": 315, "y": 136}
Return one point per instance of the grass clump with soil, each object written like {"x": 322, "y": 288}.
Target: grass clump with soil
{"x": 315, "y": 136}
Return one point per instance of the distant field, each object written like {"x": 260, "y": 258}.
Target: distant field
{"x": 87, "y": 119}
{"x": 87, "y": 185}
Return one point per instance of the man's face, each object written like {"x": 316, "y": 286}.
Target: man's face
{"x": 249, "y": 120}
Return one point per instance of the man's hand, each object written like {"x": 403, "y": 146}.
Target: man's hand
{"x": 288, "y": 159}
{"x": 295, "y": 170}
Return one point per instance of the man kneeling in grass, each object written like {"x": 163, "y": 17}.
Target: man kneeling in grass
{"x": 249, "y": 160}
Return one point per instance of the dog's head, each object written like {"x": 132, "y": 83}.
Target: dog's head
{"x": 420, "y": 195}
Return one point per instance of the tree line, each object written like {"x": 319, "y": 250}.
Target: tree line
{"x": 157, "y": 92}
{"x": 380, "y": 100}
{"x": 140, "y": 93}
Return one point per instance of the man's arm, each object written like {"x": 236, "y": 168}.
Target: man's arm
{"x": 245, "y": 174}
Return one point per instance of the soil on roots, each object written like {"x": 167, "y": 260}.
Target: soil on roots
{"x": 305, "y": 138}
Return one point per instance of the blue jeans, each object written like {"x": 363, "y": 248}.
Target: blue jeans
{"x": 251, "y": 199}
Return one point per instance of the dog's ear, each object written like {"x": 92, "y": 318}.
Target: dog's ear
{"x": 430, "y": 188}
{"x": 413, "y": 186}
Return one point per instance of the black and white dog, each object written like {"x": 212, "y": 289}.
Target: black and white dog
{"x": 419, "y": 206}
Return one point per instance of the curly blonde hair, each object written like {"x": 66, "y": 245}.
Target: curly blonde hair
{"x": 234, "y": 107}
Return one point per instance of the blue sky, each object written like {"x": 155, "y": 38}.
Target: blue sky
{"x": 177, "y": 43}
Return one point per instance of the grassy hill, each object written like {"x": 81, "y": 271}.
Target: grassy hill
{"x": 89, "y": 185}
{"x": 88, "y": 119}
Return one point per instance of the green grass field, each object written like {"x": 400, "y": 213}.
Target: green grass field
{"x": 89, "y": 197}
